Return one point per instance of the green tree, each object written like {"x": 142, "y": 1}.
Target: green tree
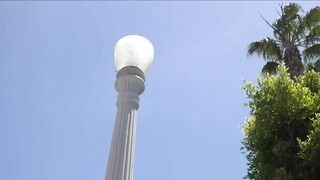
{"x": 292, "y": 32}
{"x": 282, "y": 135}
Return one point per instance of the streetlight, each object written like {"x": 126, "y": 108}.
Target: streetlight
{"x": 133, "y": 57}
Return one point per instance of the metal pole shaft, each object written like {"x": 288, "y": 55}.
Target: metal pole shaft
{"x": 129, "y": 85}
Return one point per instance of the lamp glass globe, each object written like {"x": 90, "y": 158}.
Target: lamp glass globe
{"x": 133, "y": 50}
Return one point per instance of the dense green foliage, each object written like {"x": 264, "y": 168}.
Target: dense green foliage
{"x": 282, "y": 135}
{"x": 293, "y": 32}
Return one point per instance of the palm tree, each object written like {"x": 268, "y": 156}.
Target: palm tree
{"x": 293, "y": 33}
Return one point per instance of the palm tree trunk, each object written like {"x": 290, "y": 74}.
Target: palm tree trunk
{"x": 293, "y": 61}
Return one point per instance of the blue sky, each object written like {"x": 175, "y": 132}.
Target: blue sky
{"x": 57, "y": 97}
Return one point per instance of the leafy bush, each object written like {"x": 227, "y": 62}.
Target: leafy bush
{"x": 282, "y": 135}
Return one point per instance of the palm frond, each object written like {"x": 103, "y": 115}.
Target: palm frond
{"x": 279, "y": 30}
{"x": 267, "y": 22}
{"x": 314, "y": 66}
{"x": 291, "y": 11}
{"x": 317, "y": 65}
{"x": 270, "y": 67}
{"x": 314, "y": 35}
{"x": 312, "y": 53}
{"x": 289, "y": 23}
{"x": 297, "y": 30}
{"x": 312, "y": 17}
{"x": 267, "y": 48}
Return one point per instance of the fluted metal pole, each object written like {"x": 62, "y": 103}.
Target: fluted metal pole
{"x": 129, "y": 85}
